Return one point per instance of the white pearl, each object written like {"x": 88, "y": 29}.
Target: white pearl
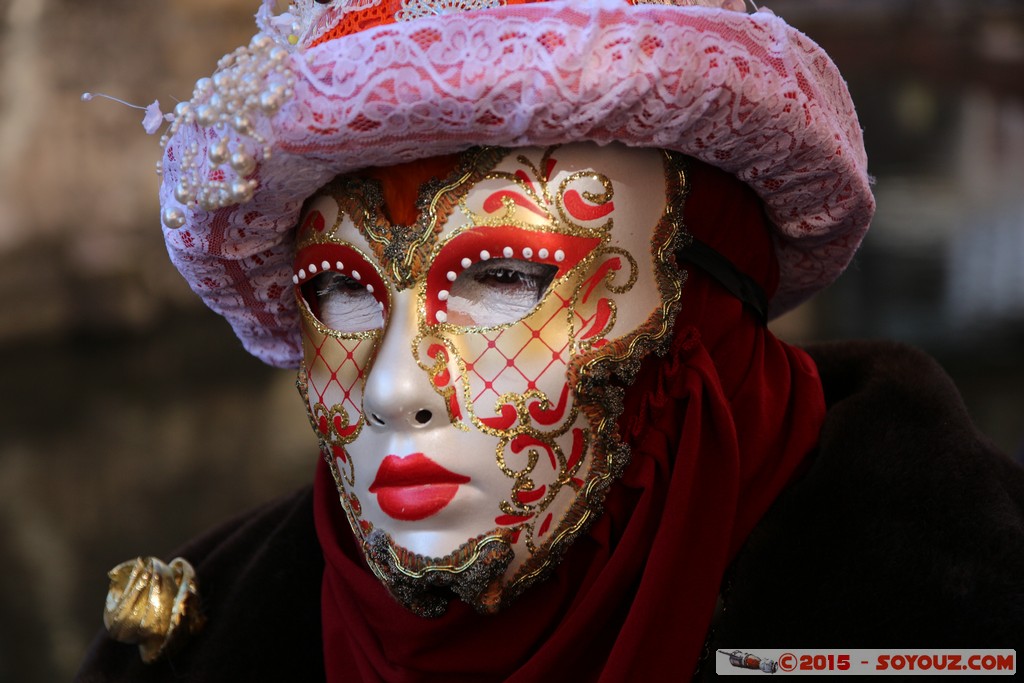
{"x": 339, "y": 265}
{"x": 507, "y": 252}
{"x": 243, "y": 163}
{"x": 312, "y": 268}
{"x": 270, "y": 103}
{"x": 241, "y": 192}
{"x": 206, "y": 116}
{"x": 173, "y": 217}
{"x": 242, "y": 124}
{"x": 219, "y": 152}
{"x": 295, "y": 279}
{"x": 441, "y": 316}
{"x": 451, "y": 276}
{"x": 443, "y": 295}
{"x": 325, "y": 265}
{"x": 543, "y": 253}
{"x": 466, "y": 263}
{"x": 184, "y": 194}
{"x": 527, "y": 252}
{"x": 485, "y": 255}
{"x": 302, "y": 274}
{"x": 559, "y": 256}
{"x": 356, "y": 275}
{"x": 369, "y": 288}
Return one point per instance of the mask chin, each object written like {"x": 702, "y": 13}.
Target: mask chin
{"x": 474, "y": 573}
{"x": 480, "y": 402}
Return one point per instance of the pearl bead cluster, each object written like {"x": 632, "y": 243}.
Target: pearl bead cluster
{"x": 253, "y": 81}
{"x": 304, "y": 274}
{"x": 507, "y": 252}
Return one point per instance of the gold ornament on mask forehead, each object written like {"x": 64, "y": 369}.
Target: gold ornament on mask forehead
{"x": 403, "y": 251}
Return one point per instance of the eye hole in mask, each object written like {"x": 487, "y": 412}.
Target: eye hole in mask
{"x": 497, "y": 275}
{"x": 345, "y": 293}
{"x": 343, "y": 304}
{"x": 498, "y": 291}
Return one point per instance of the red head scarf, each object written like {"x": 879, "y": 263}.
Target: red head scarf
{"x": 716, "y": 430}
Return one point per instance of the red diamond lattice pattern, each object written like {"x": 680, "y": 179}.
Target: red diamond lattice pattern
{"x": 326, "y": 381}
{"x": 551, "y": 333}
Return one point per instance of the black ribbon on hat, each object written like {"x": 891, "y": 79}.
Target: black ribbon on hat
{"x": 735, "y": 281}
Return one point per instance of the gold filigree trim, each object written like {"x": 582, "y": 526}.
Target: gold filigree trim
{"x": 404, "y": 250}
{"x": 417, "y": 566}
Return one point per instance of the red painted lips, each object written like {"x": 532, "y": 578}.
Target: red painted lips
{"x": 414, "y": 487}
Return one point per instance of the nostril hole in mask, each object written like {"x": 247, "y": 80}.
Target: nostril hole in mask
{"x": 376, "y": 419}
{"x": 423, "y": 416}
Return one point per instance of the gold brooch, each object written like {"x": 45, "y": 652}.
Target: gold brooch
{"x": 153, "y": 604}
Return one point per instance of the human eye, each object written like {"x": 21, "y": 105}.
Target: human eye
{"x": 344, "y": 293}
{"x": 498, "y": 291}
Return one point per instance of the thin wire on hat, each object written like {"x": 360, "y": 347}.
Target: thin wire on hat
{"x": 153, "y": 119}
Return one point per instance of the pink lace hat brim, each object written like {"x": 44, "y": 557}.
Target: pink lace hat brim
{"x": 743, "y": 92}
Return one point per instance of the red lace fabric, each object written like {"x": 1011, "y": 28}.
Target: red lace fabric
{"x": 342, "y": 21}
{"x": 716, "y": 429}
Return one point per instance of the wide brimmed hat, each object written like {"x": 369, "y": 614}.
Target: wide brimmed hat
{"x": 331, "y": 87}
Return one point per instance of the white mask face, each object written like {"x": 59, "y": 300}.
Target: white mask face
{"x": 459, "y": 372}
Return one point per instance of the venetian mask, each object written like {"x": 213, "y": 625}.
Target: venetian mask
{"x": 464, "y": 373}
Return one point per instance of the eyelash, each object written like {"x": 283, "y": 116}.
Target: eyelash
{"x": 328, "y": 283}
{"x": 498, "y": 292}
{"x": 505, "y": 272}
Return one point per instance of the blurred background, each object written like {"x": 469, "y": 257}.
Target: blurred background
{"x": 131, "y": 418}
